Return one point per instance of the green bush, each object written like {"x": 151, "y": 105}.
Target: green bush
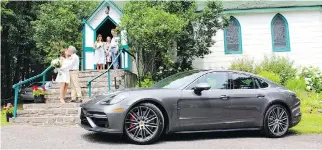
{"x": 147, "y": 81}
{"x": 271, "y": 76}
{"x": 309, "y": 100}
{"x": 296, "y": 84}
{"x": 243, "y": 64}
{"x": 278, "y": 65}
{"x": 313, "y": 79}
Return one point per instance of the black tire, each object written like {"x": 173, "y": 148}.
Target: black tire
{"x": 144, "y": 128}
{"x": 282, "y": 123}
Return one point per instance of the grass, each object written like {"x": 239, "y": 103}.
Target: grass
{"x": 310, "y": 123}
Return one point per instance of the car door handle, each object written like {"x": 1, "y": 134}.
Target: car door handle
{"x": 260, "y": 95}
{"x": 224, "y": 97}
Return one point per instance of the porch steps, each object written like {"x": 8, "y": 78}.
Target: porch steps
{"x": 48, "y": 115}
{"x": 120, "y": 79}
{"x": 53, "y": 113}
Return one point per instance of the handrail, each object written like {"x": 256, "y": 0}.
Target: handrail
{"x": 17, "y": 85}
{"x": 89, "y": 83}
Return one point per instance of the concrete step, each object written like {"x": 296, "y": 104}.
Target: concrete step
{"x": 50, "y": 106}
{"x": 94, "y": 84}
{"x": 55, "y": 92}
{"x": 46, "y": 121}
{"x": 48, "y": 112}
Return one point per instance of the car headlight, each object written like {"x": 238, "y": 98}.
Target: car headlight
{"x": 110, "y": 100}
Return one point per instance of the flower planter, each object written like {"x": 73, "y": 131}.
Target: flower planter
{"x": 39, "y": 99}
{"x": 9, "y": 115}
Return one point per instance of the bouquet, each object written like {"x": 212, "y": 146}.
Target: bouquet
{"x": 56, "y": 63}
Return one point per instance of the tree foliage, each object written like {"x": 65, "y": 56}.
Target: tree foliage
{"x": 18, "y": 52}
{"x": 58, "y": 25}
{"x": 160, "y": 30}
{"x": 27, "y": 23}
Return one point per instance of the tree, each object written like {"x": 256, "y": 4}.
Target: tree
{"x": 58, "y": 25}
{"x": 18, "y": 53}
{"x": 193, "y": 40}
{"x": 151, "y": 31}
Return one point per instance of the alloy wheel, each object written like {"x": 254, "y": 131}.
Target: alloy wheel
{"x": 141, "y": 123}
{"x": 278, "y": 121}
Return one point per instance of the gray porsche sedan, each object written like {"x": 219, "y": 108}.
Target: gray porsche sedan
{"x": 194, "y": 101}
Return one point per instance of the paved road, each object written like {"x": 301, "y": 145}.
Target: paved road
{"x": 31, "y": 137}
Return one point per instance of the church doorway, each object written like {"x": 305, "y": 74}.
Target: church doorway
{"x": 105, "y": 30}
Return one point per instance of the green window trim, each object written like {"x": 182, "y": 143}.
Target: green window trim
{"x": 240, "y": 51}
{"x": 288, "y": 47}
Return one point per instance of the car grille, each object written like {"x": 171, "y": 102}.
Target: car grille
{"x": 98, "y": 118}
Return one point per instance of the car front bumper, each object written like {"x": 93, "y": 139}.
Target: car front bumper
{"x": 296, "y": 116}
{"x": 102, "y": 118}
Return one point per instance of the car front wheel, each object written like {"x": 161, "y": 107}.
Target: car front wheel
{"x": 144, "y": 123}
{"x": 276, "y": 121}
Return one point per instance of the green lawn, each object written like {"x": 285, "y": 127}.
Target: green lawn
{"x": 310, "y": 123}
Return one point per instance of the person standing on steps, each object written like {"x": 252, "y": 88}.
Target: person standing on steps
{"x": 114, "y": 47}
{"x": 63, "y": 75}
{"x": 76, "y": 91}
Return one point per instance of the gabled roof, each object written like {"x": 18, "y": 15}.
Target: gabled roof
{"x": 233, "y": 4}
{"x": 254, "y": 4}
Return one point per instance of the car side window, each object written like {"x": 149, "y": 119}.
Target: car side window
{"x": 216, "y": 80}
{"x": 261, "y": 83}
{"x": 242, "y": 81}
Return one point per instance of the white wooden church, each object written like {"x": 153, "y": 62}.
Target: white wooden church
{"x": 287, "y": 28}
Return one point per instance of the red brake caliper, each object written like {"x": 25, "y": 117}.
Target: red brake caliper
{"x": 131, "y": 119}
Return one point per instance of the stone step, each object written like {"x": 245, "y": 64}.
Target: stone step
{"x": 55, "y": 92}
{"x": 50, "y": 106}
{"x": 47, "y": 112}
{"x": 46, "y": 121}
{"x": 94, "y": 84}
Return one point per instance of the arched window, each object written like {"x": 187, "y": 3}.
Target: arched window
{"x": 232, "y": 37}
{"x": 280, "y": 34}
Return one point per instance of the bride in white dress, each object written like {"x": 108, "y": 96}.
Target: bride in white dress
{"x": 63, "y": 76}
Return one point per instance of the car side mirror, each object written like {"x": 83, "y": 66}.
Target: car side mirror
{"x": 200, "y": 87}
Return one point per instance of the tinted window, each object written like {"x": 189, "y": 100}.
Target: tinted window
{"x": 178, "y": 80}
{"x": 217, "y": 80}
{"x": 242, "y": 81}
{"x": 261, "y": 83}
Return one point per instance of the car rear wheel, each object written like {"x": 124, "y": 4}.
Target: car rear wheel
{"x": 144, "y": 124}
{"x": 276, "y": 121}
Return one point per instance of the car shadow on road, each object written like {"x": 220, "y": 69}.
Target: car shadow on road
{"x": 114, "y": 139}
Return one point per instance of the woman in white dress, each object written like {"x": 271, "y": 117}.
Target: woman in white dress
{"x": 63, "y": 76}
{"x": 99, "y": 53}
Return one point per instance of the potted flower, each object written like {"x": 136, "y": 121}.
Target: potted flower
{"x": 39, "y": 94}
{"x": 8, "y": 111}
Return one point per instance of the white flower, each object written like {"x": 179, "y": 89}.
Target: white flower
{"x": 55, "y": 62}
{"x": 308, "y": 88}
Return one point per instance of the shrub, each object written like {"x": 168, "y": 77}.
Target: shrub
{"x": 309, "y": 100}
{"x": 278, "y": 65}
{"x": 147, "y": 81}
{"x": 296, "y": 84}
{"x": 313, "y": 79}
{"x": 243, "y": 64}
{"x": 271, "y": 76}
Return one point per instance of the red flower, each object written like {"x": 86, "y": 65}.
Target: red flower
{"x": 43, "y": 88}
{"x": 34, "y": 88}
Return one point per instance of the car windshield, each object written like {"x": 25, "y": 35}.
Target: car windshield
{"x": 177, "y": 80}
